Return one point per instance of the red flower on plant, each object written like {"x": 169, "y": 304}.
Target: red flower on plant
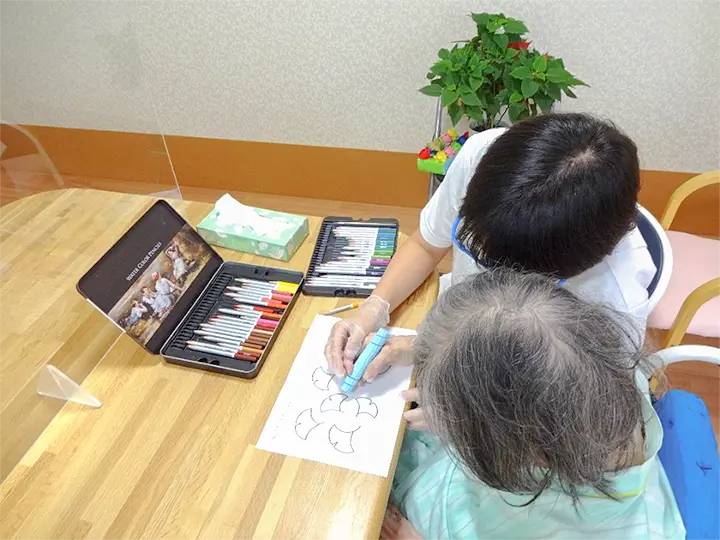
{"x": 518, "y": 45}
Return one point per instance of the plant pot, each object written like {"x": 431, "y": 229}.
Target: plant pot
{"x": 477, "y": 128}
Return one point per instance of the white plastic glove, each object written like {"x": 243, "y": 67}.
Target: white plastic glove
{"x": 347, "y": 336}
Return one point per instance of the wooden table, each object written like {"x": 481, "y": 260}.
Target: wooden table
{"x": 171, "y": 452}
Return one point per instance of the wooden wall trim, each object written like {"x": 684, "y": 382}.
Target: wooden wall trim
{"x": 366, "y": 176}
{"x": 280, "y": 169}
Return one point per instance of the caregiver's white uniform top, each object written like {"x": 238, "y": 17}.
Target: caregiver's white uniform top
{"x": 620, "y": 280}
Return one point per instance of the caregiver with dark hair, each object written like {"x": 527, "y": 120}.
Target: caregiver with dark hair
{"x": 554, "y": 194}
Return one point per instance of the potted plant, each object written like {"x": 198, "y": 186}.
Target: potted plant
{"x": 497, "y": 72}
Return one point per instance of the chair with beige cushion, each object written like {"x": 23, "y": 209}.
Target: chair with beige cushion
{"x": 691, "y": 303}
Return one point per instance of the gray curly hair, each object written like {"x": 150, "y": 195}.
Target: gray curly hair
{"x": 529, "y": 386}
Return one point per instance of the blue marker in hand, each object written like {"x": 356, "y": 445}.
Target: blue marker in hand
{"x": 369, "y": 353}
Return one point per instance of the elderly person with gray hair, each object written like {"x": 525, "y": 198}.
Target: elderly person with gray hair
{"x": 544, "y": 427}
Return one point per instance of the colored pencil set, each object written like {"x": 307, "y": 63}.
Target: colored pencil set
{"x": 244, "y": 319}
{"x": 351, "y": 256}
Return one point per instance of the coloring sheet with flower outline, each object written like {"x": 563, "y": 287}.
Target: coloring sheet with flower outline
{"x": 313, "y": 419}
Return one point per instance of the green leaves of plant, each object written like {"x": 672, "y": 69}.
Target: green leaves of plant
{"x": 476, "y": 113}
{"x": 521, "y": 72}
{"x": 483, "y": 76}
{"x": 470, "y": 98}
{"x": 448, "y": 96}
{"x": 529, "y": 87}
{"x": 515, "y": 27}
{"x": 540, "y": 64}
{"x": 433, "y": 90}
{"x": 545, "y": 103}
{"x": 553, "y": 90}
{"x": 501, "y": 40}
{"x": 455, "y": 113}
{"x": 516, "y": 111}
{"x": 480, "y": 19}
{"x": 493, "y": 25}
{"x": 557, "y": 75}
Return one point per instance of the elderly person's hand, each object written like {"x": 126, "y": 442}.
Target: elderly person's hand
{"x": 397, "y": 351}
{"x": 395, "y": 526}
{"x": 415, "y": 418}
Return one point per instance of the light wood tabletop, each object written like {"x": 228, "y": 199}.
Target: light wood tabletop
{"x": 171, "y": 453}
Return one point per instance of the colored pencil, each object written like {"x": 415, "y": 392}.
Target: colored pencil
{"x": 239, "y": 322}
{"x": 254, "y": 297}
{"x": 258, "y": 286}
{"x": 280, "y": 297}
{"x": 233, "y": 331}
{"x": 260, "y": 309}
{"x": 231, "y": 319}
{"x": 235, "y": 311}
{"x": 280, "y": 285}
{"x": 244, "y": 325}
{"x": 246, "y": 315}
{"x": 227, "y": 343}
{"x": 344, "y": 272}
{"x": 228, "y": 330}
{"x": 364, "y": 224}
{"x": 343, "y": 308}
{"x": 226, "y": 334}
{"x": 221, "y": 335}
{"x": 364, "y": 231}
{"x": 346, "y": 264}
{"x": 204, "y": 347}
{"x": 247, "y": 323}
{"x": 350, "y": 281}
{"x": 254, "y": 303}
{"x": 234, "y": 326}
{"x": 222, "y": 338}
{"x": 253, "y": 315}
{"x": 347, "y": 278}
{"x": 250, "y": 351}
{"x": 239, "y": 317}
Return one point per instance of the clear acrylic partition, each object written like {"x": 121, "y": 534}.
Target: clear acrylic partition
{"x": 78, "y": 110}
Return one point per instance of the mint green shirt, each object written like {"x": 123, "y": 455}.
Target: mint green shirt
{"x": 442, "y": 501}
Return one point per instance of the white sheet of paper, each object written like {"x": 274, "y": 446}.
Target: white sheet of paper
{"x": 313, "y": 419}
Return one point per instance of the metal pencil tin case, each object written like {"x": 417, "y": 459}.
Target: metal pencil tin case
{"x": 160, "y": 280}
{"x": 207, "y": 303}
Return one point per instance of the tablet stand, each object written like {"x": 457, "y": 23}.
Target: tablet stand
{"x": 54, "y": 383}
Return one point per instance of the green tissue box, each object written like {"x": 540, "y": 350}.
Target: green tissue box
{"x": 279, "y": 243}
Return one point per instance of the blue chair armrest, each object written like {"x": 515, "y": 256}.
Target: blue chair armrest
{"x": 689, "y": 455}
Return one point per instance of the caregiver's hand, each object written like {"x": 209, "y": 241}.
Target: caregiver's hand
{"x": 415, "y": 418}
{"x": 348, "y": 335}
{"x": 396, "y": 351}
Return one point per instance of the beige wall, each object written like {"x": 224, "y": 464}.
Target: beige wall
{"x": 345, "y": 72}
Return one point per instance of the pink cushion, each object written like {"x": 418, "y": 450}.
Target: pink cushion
{"x": 696, "y": 261}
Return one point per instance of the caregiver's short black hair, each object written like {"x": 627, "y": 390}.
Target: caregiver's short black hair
{"x": 553, "y": 194}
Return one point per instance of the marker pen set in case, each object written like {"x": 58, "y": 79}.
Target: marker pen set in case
{"x": 351, "y": 255}
{"x": 245, "y": 319}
